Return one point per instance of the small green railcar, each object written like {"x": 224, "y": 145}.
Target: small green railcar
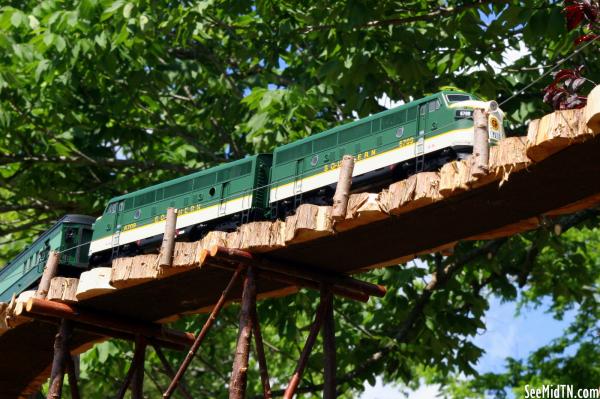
{"x": 204, "y": 199}
{"x": 71, "y": 236}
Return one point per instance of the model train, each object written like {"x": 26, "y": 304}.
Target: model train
{"x": 421, "y": 135}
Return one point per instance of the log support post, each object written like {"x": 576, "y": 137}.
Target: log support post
{"x": 308, "y": 346}
{"x": 136, "y": 367}
{"x": 137, "y": 382}
{"x": 168, "y": 243}
{"x": 72, "y": 374}
{"x": 59, "y": 362}
{"x": 207, "y": 325}
{"x": 342, "y": 191}
{"x": 170, "y": 372}
{"x": 481, "y": 146}
{"x": 329, "y": 389}
{"x": 49, "y": 272}
{"x": 239, "y": 375}
{"x": 260, "y": 354}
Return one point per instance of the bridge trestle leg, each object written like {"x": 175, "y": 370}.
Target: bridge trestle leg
{"x": 61, "y": 352}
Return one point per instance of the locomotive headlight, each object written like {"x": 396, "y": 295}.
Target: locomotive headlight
{"x": 493, "y": 105}
{"x": 463, "y": 114}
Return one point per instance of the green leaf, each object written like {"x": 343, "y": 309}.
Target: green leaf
{"x": 33, "y": 22}
{"x": 112, "y": 9}
{"x": 122, "y": 36}
{"x": 49, "y": 38}
{"x": 18, "y": 18}
{"x": 143, "y": 21}
{"x": 127, "y": 10}
{"x": 41, "y": 68}
{"x": 59, "y": 43}
{"x": 101, "y": 39}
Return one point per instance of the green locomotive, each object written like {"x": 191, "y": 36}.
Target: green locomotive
{"x": 71, "y": 236}
{"x": 420, "y": 135}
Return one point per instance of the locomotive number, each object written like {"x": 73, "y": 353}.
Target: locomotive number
{"x": 405, "y": 142}
{"x": 130, "y": 226}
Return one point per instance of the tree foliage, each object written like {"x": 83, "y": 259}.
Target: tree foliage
{"x": 98, "y": 98}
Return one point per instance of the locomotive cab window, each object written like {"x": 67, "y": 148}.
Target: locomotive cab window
{"x": 434, "y": 105}
{"x": 455, "y": 98}
{"x": 112, "y": 208}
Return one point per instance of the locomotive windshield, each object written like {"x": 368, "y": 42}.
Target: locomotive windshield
{"x": 455, "y": 98}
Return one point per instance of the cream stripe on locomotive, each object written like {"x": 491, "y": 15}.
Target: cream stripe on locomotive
{"x": 183, "y": 220}
{"x": 400, "y": 154}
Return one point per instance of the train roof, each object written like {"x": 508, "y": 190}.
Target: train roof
{"x": 69, "y": 218}
{"x": 224, "y": 165}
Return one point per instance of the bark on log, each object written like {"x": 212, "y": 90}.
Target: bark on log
{"x": 205, "y": 328}
{"x": 168, "y": 243}
{"x": 555, "y": 132}
{"x": 239, "y": 375}
{"x": 137, "y": 381}
{"x": 94, "y": 282}
{"x": 61, "y": 351}
{"x": 415, "y": 192}
{"x": 72, "y": 372}
{"x": 12, "y": 316}
{"x": 363, "y": 208}
{"x": 310, "y": 342}
{"x": 50, "y": 271}
{"x": 308, "y": 223}
{"x": 329, "y": 389}
{"x": 63, "y": 289}
{"x": 258, "y": 236}
{"x": 455, "y": 177}
{"x": 342, "y": 191}
{"x": 507, "y": 157}
{"x": 3, "y": 326}
{"x": 260, "y": 355}
{"x": 592, "y": 110}
{"x": 481, "y": 147}
{"x": 127, "y": 272}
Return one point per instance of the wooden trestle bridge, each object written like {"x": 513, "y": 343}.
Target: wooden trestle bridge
{"x": 526, "y": 182}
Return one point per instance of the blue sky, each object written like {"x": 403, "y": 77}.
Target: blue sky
{"x": 508, "y": 334}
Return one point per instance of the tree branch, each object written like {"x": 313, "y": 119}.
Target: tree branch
{"x": 437, "y": 13}
{"x": 109, "y": 162}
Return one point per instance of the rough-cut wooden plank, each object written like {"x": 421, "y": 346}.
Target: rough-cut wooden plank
{"x": 9, "y": 317}
{"x": 309, "y": 222}
{"x": 214, "y": 238}
{"x": 63, "y": 289}
{"x": 415, "y": 192}
{"x": 127, "y": 272}
{"x": 511, "y": 229}
{"x": 508, "y": 156}
{"x": 555, "y": 132}
{"x": 592, "y": 110}
{"x": 3, "y": 326}
{"x": 455, "y": 177}
{"x": 363, "y": 208}
{"x": 258, "y": 236}
{"x": 93, "y": 283}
